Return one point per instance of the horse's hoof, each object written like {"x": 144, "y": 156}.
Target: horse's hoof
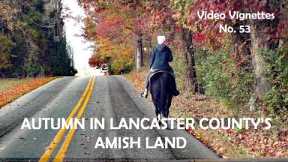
{"x": 144, "y": 95}
{"x": 158, "y": 117}
{"x": 160, "y": 123}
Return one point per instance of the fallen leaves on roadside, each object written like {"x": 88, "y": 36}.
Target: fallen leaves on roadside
{"x": 22, "y": 87}
{"x": 229, "y": 143}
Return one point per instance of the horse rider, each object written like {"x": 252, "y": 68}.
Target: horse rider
{"x": 159, "y": 62}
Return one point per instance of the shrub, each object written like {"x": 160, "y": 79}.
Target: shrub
{"x": 222, "y": 79}
{"x": 277, "y": 73}
{"x": 5, "y": 51}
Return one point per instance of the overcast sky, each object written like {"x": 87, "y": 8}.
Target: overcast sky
{"x": 74, "y": 29}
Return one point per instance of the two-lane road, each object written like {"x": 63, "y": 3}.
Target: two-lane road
{"x": 76, "y": 97}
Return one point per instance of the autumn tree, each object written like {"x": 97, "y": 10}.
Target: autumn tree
{"x": 242, "y": 70}
{"x": 247, "y": 46}
{"x": 5, "y": 49}
{"x": 32, "y": 33}
{"x": 117, "y": 23}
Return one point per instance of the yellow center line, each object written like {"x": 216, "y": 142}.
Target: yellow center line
{"x": 64, "y": 148}
{"x": 60, "y": 134}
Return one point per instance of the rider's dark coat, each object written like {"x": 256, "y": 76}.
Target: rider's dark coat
{"x": 161, "y": 57}
{"x": 159, "y": 62}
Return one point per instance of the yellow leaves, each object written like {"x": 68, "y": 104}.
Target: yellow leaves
{"x": 7, "y": 13}
{"x": 120, "y": 54}
{"x": 107, "y": 48}
{"x": 104, "y": 45}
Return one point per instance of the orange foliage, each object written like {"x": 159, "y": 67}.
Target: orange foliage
{"x": 12, "y": 93}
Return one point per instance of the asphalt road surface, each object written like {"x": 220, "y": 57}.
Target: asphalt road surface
{"x": 78, "y": 97}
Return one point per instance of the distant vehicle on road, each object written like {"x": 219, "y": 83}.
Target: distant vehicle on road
{"x": 104, "y": 69}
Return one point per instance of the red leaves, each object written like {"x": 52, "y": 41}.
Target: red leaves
{"x": 199, "y": 37}
{"x": 95, "y": 61}
{"x": 109, "y": 27}
{"x": 262, "y": 142}
{"x": 211, "y": 27}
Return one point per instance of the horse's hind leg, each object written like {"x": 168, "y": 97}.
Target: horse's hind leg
{"x": 157, "y": 110}
{"x": 164, "y": 96}
{"x": 167, "y": 106}
{"x": 155, "y": 94}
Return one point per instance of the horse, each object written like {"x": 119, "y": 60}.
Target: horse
{"x": 161, "y": 93}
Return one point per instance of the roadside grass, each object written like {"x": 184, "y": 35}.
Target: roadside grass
{"x": 12, "y": 88}
{"x": 229, "y": 144}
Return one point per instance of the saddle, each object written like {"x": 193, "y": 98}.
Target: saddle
{"x": 153, "y": 72}
{"x": 175, "y": 92}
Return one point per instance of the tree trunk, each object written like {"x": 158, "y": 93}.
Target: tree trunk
{"x": 242, "y": 50}
{"x": 191, "y": 83}
{"x": 258, "y": 43}
{"x": 139, "y": 53}
{"x": 262, "y": 39}
{"x": 148, "y": 51}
